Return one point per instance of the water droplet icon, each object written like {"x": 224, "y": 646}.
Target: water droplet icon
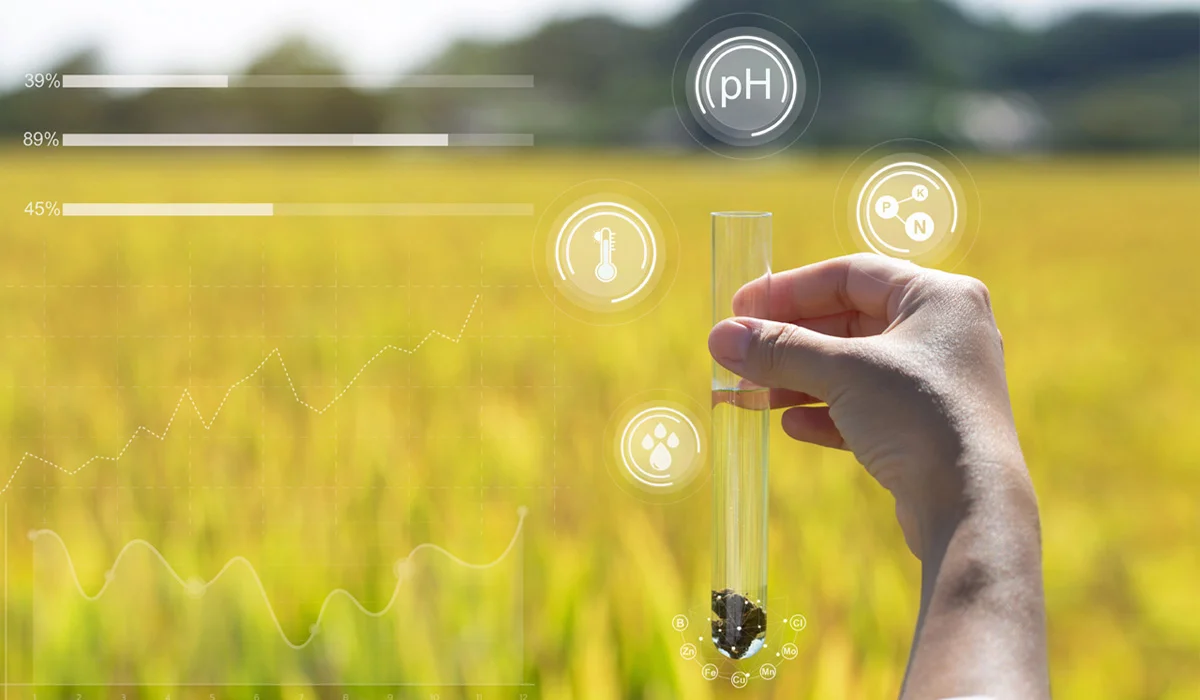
{"x": 660, "y": 458}
{"x": 659, "y": 431}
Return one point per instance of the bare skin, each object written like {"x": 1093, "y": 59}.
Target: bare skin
{"x": 910, "y": 366}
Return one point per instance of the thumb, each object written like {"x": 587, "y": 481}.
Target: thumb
{"x": 777, "y": 355}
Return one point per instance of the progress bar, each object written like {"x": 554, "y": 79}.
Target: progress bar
{"x": 239, "y": 209}
{"x": 158, "y": 81}
{"x": 294, "y": 140}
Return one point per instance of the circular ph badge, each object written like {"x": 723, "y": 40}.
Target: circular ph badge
{"x": 750, "y": 80}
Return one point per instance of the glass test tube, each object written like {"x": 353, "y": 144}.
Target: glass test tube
{"x": 741, "y": 253}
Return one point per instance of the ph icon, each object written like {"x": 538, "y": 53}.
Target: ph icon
{"x": 745, "y": 86}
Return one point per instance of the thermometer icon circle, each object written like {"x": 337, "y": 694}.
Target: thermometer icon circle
{"x": 592, "y": 270}
{"x": 606, "y": 271}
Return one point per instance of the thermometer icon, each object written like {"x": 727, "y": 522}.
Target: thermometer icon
{"x": 606, "y": 271}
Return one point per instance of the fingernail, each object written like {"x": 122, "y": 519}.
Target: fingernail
{"x": 730, "y": 341}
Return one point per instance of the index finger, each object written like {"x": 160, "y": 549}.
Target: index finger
{"x": 866, "y": 282}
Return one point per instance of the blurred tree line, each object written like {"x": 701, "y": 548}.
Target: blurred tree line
{"x": 920, "y": 68}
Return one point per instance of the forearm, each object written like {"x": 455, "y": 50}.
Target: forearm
{"x": 981, "y": 630}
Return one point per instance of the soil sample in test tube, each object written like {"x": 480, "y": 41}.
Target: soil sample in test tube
{"x": 740, "y": 427}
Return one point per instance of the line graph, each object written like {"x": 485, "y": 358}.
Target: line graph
{"x": 207, "y": 423}
{"x": 197, "y": 588}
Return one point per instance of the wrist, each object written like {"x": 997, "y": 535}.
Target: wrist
{"x": 981, "y": 594}
{"x": 990, "y": 540}
{"x": 995, "y": 498}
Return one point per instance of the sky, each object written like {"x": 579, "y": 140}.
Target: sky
{"x": 369, "y": 36}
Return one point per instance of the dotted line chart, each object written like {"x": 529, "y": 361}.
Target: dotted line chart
{"x": 207, "y": 423}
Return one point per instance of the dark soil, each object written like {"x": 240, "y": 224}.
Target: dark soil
{"x": 736, "y": 622}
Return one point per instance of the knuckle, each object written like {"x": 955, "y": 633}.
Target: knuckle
{"x": 862, "y": 258}
{"x": 978, "y": 292}
{"x": 847, "y": 352}
{"x": 777, "y": 344}
{"x": 961, "y": 289}
{"x": 973, "y": 291}
{"x": 969, "y": 303}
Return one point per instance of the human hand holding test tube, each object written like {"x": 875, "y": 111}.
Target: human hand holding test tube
{"x": 911, "y": 367}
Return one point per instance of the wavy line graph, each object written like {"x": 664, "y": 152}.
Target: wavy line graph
{"x": 187, "y": 395}
{"x": 197, "y": 588}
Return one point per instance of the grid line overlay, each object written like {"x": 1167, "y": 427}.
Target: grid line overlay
{"x": 195, "y": 235}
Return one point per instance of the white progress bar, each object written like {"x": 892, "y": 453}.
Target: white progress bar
{"x": 134, "y": 81}
{"x": 240, "y": 209}
{"x": 294, "y": 140}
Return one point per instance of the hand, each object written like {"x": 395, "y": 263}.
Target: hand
{"x": 911, "y": 365}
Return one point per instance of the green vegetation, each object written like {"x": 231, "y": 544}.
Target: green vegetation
{"x": 888, "y": 69}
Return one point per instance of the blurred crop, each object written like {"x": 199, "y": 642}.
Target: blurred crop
{"x": 108, "y": 322}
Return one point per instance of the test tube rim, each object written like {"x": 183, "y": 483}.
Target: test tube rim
{"x": 742, "y": 214}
